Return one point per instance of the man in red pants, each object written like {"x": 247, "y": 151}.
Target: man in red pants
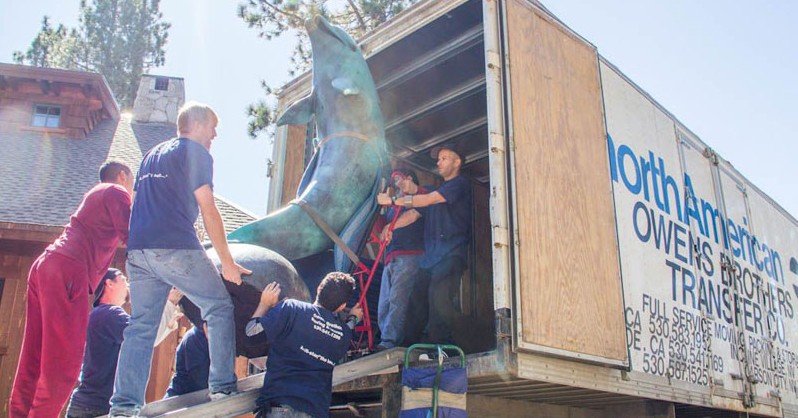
{"x": 59, "y": 284}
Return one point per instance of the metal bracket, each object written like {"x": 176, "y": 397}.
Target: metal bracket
{"x": 504, "y": 324}
{"x": 269, "y": 168}
{"x": 710, "y": 154}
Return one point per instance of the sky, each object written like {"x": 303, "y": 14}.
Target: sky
{"x": 726, "y": 69}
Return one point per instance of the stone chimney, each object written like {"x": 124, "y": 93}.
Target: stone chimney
{"x": 158, "y": 99}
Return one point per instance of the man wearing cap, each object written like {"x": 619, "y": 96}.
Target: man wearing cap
{"x": 401, "y": 265}
{"x": 107, "y": 322}
{"x": 59, "y": 283}
{"x": 447, "y": 232}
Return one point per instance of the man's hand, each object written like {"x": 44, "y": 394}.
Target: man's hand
{"x": 387, "y": 233}
{"x": 232, "y": 272}
{"x": 384, "y": 200}
{"x": 357, "y": 311}
{"x": 270, "y": 295}
{"x": 269, "y": 298}
{"x": 174, "y": 296}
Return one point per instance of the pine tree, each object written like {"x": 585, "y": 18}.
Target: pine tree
{"x": 277, "y": 17}
{"x": 120, "y": 39}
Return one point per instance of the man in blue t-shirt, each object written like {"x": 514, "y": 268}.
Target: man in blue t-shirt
{"x": 107, "y": 322}
{"x": 192, "y": 363}
{"x": 306, "y": 342}
{"x": 405, "y": 248}
{"x": 174, "y": 184}
{"x": 447, "y": 233}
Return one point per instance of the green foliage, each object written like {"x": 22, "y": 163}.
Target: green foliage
{"x": 277, "y": 17}
{"x": 120, "y": 39}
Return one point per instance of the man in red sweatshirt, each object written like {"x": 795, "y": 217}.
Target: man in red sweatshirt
{"x": 59, "y": 283}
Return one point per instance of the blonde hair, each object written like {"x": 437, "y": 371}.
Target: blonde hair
{"x": 194, "y": 112}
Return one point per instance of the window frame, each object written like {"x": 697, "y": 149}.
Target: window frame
{"x": 48, "y": 117}
{"x": 161, "y": 84}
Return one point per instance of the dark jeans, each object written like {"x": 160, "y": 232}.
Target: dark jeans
{"x": 74, "y": 411}
{"x": 439, "y": 285}
{"x": 282, "y": 411}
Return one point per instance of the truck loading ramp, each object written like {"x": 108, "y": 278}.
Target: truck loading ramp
{"x": 197, "y": 404}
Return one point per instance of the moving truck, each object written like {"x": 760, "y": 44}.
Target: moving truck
{"x": 618, "y": 267}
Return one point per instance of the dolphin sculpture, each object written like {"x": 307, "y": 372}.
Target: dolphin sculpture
{"x": 339, "y": 186}
{"x": 341, "y": 182}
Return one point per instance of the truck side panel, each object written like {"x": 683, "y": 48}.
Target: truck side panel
{"x": 705, "y": 259}
{"x": 569, "y": 297}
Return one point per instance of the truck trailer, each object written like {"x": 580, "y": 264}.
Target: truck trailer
{"x": 618, "y": 266}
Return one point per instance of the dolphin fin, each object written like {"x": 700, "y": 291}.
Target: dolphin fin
{"x": 345, "y": 86}
{"x": 307, "y": 176}
{"x": 356, "y": 231}
{"x": 298, "y": 113}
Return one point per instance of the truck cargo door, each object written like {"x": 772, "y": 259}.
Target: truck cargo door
{"x": 568, "y": 297}
{"x": 698, "y": 352}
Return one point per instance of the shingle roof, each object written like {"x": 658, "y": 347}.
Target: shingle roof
{"x": 43, "y": 177}
{"x": 232, "y": 215}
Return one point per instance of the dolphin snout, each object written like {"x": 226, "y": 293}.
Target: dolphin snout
{"x": 319, "y": 28}
{"x": 313, "y": 23}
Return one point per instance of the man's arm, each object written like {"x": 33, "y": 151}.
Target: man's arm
{"x": 268, "y": 299}
{"x": 418, "y": 201}
{"x": 423, "y": 200}
{"x": 118, "y": 202}
{"x": 405, "y": 219}
{"x": 169, "y": 317}
{"x": 214, "y": 225}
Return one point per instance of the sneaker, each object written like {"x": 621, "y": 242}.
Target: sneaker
{"x": 433, "y": 355}
{"x": 215, "y": 396}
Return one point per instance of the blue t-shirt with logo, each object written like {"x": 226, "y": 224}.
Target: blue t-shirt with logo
{"x": 307, "y": 341}
{"x": 103, "y": 339}
{"x": 447, "y": 226}
{"x": 165, "y": 209}
{"x": 192, "y": 364}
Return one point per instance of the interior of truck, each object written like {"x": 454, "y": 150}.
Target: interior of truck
{"x": 432, "y": 91}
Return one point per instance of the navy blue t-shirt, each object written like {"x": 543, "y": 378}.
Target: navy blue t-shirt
{"x": 165, "y": 209}
{"x": 447, "y": 226}
{"x": 192, "y": 364}
{"x": 306, "y": 343}
{"x": 408, "y": 238}
{"x": 103, "y": 339}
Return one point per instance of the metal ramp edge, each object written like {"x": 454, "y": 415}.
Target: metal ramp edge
{"x": 197, "y": 404}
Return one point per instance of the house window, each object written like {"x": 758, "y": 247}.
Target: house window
{"x": 46, "y": 116}
{"x": 161, "y": 83}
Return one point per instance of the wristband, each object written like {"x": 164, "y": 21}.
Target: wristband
{"x": 351, "y": 321}
{"x": 393, "y": 200}
{"x": 408, "y": 201}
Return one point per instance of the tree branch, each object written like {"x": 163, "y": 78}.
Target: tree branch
{"x": 358, "y": 15}
{"x": 283, "y": 12}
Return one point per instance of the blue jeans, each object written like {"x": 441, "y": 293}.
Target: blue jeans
{"x": 396, "y": 288}
{"x": 152, "y": 274}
